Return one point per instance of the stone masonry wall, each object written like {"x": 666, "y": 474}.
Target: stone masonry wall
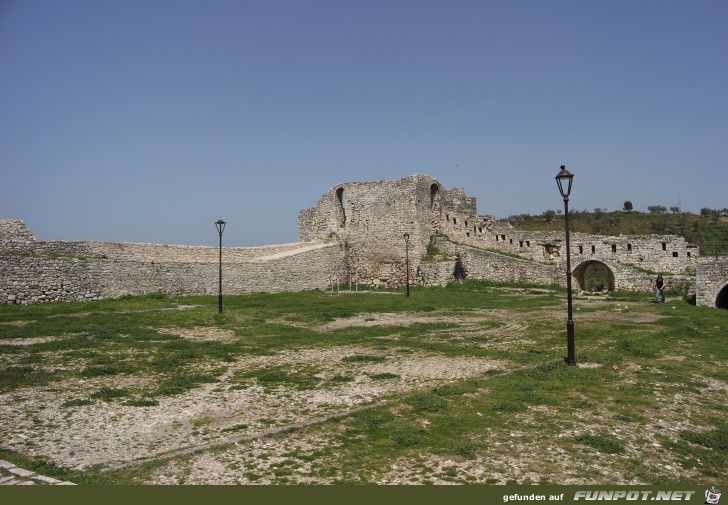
{"x": 485, "y": 265}
{"x": 659, "y": 253}
{"x": 711, "y": 278}
{"x": 15, "y": 237}
{"x": 60, "y": 271}
{"x": 354, "y": 232}
{"x": 370, "y": 219}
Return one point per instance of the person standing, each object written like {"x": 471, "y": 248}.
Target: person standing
{"x": 659, "y": 289}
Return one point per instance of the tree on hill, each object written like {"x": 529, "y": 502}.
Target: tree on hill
{"x": 627, "y": 206}
{"x": 675, "y": 210}
{"x": 657, "y": 209}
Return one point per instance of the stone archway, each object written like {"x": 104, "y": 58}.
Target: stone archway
{"x": 593, "y": 272}
{"x": 721, "y": 300}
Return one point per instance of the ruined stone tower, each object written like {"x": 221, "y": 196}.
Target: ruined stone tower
{"x": 369, "y": 220}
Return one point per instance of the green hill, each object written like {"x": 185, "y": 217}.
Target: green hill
{"x": 709, "y": 229}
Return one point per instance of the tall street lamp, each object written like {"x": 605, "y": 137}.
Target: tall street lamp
{"x": 220, "y": 225}
{"x": 406, "y": 258}
{"x": 564, "y": 180}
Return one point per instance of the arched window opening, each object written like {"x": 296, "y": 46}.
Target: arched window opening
{"x": 341, "y": 199}
{"x": 434, "y": 189}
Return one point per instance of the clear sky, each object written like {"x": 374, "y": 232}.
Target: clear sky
{"x": 149, "y": 120}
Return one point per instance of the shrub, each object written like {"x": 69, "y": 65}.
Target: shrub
{"x": 602, "y": 443}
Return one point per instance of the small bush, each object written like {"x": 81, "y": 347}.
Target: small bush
{"x": 108, "y": 394}
{"x": 179, "y": 384}
{"x": 407, "y": 436}
{"x": 602, "y": 443}
{"x": 141, "y": 402}
{"x": 715, "y": 439}
{"x": 15, "y": 375}
{"x": 429, "y": 402}
{"x": 384, "y": 376}
{"x": 463, "y": 448}
{"x": 77, "y": 402}
{"x": 97, "y": 371}
{"x": 363, "y": 358}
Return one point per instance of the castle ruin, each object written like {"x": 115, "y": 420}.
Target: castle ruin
{"x": 355, "y": 234}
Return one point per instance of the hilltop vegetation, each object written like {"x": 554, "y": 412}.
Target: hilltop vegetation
{"x": 709, "y": 229}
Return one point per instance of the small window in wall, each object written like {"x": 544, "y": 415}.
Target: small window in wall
{"x": 581, "y": 249}
{"x": 510, "y": 239}
{"x": 454, "y": 220}
{"x": 433, "y": 195}
{"x": 467, "y": 233}
{"x": 614, "y": 248}
{"x": 594, "y": 249}
{"x": 528, "y": 243}
{"x": 520, "y": 243}
{"x": 480, "y": 229}
{"x": 629, "y": 247}
{"x": 664, "y": 246}
{"x": 674, "y": 254}
{"x": 688, "y": 254}
{"x": 466, "y": 224}
{"x": 503, "y": 238}
{"x": 447, "y": 217}
{"x": 341, "y": 198}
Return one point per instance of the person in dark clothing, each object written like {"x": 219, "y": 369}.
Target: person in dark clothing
{"x": 659, "y": 289}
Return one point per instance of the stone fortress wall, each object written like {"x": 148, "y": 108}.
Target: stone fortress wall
{"x": 355, "y": 233}
{"x": 32, "y": 271}
{"x": 711, "y": 281}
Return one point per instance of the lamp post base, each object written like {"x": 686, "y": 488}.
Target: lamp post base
{"x": 570, "y": 361}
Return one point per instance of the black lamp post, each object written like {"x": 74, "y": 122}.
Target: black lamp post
{"x": 220, "y": 225}
{"x": 564, "y": 179}
{"x": 406, "y": 258}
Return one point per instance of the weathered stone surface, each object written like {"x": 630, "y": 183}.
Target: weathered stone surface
{"x": 711, "y": 279}
{"x": 355, "y": 233}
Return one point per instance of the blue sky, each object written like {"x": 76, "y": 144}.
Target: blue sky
{"x": 146, "y": 121}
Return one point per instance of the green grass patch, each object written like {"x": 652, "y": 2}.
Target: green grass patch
{"x": 602, "y": 443}
{"x": 659, "y": 368}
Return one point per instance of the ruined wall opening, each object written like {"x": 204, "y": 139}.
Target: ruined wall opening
{"x": 434, "y": 196}
{"x": 590, "y": 275}
{"x": 341, "y": 199}
{"x": 721, "y": 300}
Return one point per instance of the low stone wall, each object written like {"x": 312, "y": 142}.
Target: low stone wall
{"x": 64, "y": 271}
{"x": 486, "y": 265}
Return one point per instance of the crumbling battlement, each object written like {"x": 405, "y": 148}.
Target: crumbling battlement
{"x": 15, "y": 237}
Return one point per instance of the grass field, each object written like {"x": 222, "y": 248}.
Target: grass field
{"x": 464, "y": 384}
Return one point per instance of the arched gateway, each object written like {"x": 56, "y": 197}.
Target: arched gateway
{"x": 721, "y": 301}
{"x": 591, "y": 274}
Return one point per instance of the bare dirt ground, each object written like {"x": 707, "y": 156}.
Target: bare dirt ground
{"x": 112, "y": 434}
